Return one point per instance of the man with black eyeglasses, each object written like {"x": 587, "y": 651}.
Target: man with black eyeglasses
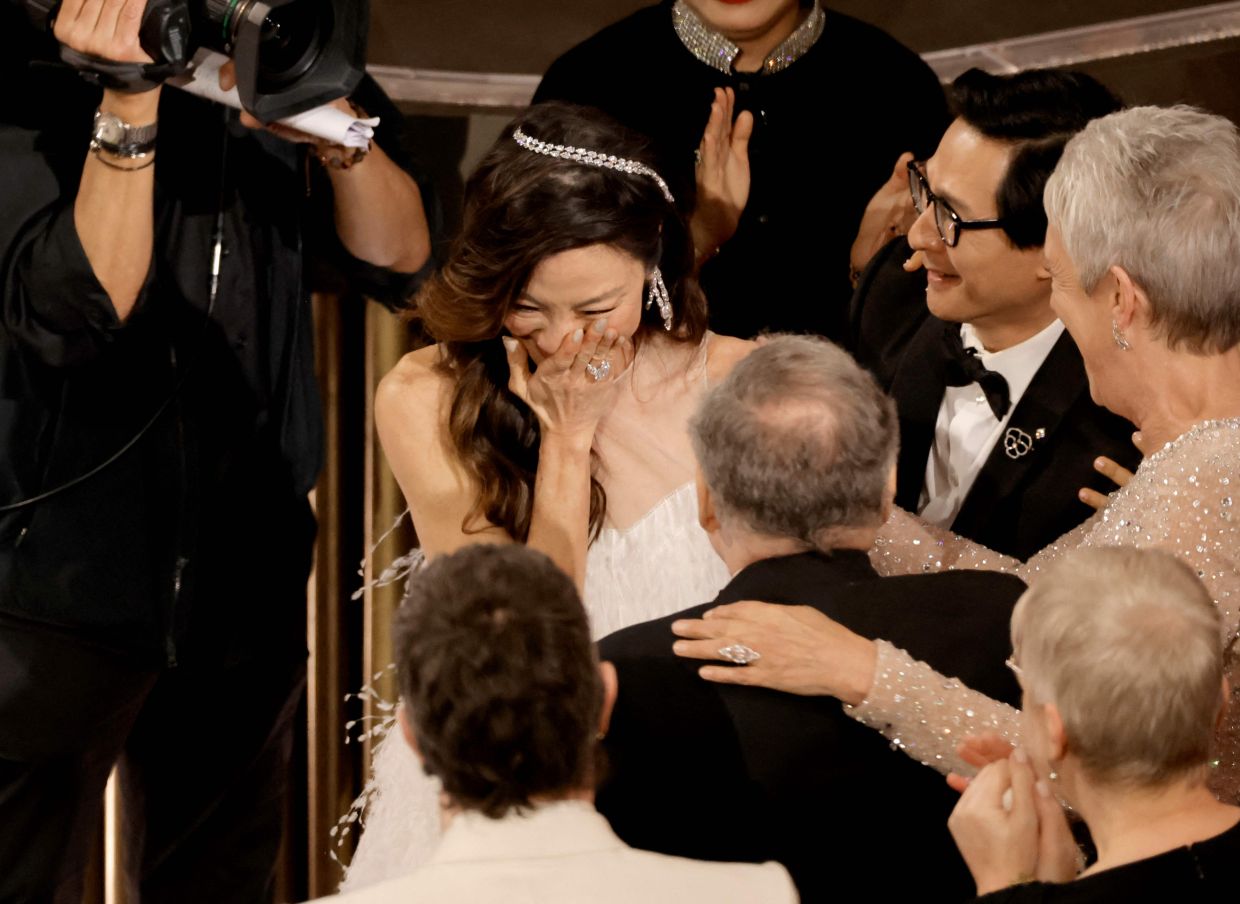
{"x": 998, "y": 433}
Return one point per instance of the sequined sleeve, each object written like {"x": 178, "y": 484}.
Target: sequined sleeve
{"x": 926, "y": 714}
{"x": 1180, "y": 500}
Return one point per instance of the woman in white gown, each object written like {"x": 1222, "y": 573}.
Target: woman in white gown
{"x": 1144, "y": 255}
{"x": 572, "y": 348}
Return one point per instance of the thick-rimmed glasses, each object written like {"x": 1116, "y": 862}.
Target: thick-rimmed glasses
{"x": 948, "y": 222}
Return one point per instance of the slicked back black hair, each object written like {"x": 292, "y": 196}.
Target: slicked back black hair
{"x": 1036, "y": 111}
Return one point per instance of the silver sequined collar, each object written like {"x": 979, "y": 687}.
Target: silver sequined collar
{"x": 1225, "y": 423}
{"x": 718, "y": 52}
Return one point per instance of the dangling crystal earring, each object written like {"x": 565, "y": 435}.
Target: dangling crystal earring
{"x": 1120, "y": 342}
{"x": 657, "y": 292}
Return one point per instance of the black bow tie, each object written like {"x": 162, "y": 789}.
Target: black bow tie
{"x": 964, "y": 367}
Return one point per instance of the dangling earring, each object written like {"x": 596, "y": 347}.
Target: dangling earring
{"x": 657, "y": 292}
{"x": 1120, "y": 342}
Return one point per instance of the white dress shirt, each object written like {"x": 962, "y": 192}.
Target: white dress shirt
{"x": 966, "y": 429}
{"x": 566, "y": 853}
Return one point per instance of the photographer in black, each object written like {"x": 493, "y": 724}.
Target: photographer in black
{"x": 159, "y": 432}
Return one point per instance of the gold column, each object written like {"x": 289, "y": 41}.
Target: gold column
{"x": 387, "y": 339}
{"x": 330, "y": 785}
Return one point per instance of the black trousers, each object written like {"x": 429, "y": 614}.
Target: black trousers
{"x": 203, "y": 749}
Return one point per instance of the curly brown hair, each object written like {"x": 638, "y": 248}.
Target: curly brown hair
{"x": 521, "y": 208}
{"x": 499, "y": 678}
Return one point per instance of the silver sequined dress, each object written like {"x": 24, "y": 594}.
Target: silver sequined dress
{"x": 1180, "y": 499}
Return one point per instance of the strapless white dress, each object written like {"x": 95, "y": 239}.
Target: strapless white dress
{"x": 659, "y": 562}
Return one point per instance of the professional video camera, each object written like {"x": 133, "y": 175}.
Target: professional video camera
{"x": 291, "y": 55}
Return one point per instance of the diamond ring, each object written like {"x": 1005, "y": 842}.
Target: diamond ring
{"x": 740, "y": 654}
{"x": 599, "y": 371}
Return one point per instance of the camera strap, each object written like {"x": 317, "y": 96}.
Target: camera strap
{"x": 130, "y": 78}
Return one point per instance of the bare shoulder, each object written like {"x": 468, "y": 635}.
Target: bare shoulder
{"x": 415, "y": 383}
{"x": 411, "y": 419}
{"x": 723, "y": 353}
{"x": 411, "y": 404}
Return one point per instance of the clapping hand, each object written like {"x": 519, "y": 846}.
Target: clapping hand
{"x": 722, "y": 174}
{"x": 1011, "y": 829}
{"x": 570, "y": 391}
{"x": 889, "y": 213}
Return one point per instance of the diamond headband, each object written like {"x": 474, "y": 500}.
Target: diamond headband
{"x": 592, "y": 158}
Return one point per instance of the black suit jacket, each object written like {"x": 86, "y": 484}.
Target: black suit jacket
{"x": 1024, "y": 498}
{"x": 723, "y": 772}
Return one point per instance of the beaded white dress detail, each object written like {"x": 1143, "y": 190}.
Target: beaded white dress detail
{"x": 651, "y": 558}
{"x": 1180, "y": 499}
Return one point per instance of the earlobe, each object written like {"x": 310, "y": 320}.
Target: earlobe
{"x": 1056, "y": 736}
{"x": 406, "y": 728}
{"x": 1126, "y": 297}
{"x": 706, "y": 505}
{"x": 611, "y": 689}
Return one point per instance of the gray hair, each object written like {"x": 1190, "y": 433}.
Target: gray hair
{"x": 1156, "y": 191}
{"x": 1125, "y": 642}
{"x": 798, "y": 441}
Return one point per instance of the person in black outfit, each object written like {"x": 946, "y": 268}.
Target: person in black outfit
{"x": 998, "y": 432}
{"x": 1121, "y": 700}
{"x": 796, "y": 449}
{"x": 833, "y": 101}
{"x": 158, "y": 438}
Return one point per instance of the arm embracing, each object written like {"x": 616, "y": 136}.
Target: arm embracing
{"x": 926, "y": 714}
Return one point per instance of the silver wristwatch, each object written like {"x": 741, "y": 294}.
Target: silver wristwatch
{"x": 121, "y": 139}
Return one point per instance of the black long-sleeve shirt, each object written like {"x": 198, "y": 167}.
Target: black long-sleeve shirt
{"x": 196, "y": 541}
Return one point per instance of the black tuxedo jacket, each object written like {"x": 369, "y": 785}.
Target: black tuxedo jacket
{"x": 1025, "y": 496}
{"x": 722, "y": 772}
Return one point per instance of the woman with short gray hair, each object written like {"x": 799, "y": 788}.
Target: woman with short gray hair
{"x": 1143, "y": 251}
{"x": 1120, "y": 700}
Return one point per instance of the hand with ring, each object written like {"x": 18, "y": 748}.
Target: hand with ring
{"x": 599, "y": 371}
{"x": 570, "y": 391}
{"x": 795, "y": 649}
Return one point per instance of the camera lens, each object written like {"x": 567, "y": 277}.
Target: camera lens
{"x": 290, "y": 40}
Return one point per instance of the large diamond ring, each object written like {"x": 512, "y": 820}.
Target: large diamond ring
{"x": 740, "y": 654}
{"x": 599, "y": 371}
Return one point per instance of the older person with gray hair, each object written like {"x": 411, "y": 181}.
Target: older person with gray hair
{"x": 796, "y": 452}
{"x": 1121, "y": 698}
{"x": 1144, "y": 253}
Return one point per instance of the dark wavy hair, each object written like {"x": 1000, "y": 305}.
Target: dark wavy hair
{"x": 521, "y": 208}
{"x": 499, "y": 678}
{"x": 1036, "y": 111}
